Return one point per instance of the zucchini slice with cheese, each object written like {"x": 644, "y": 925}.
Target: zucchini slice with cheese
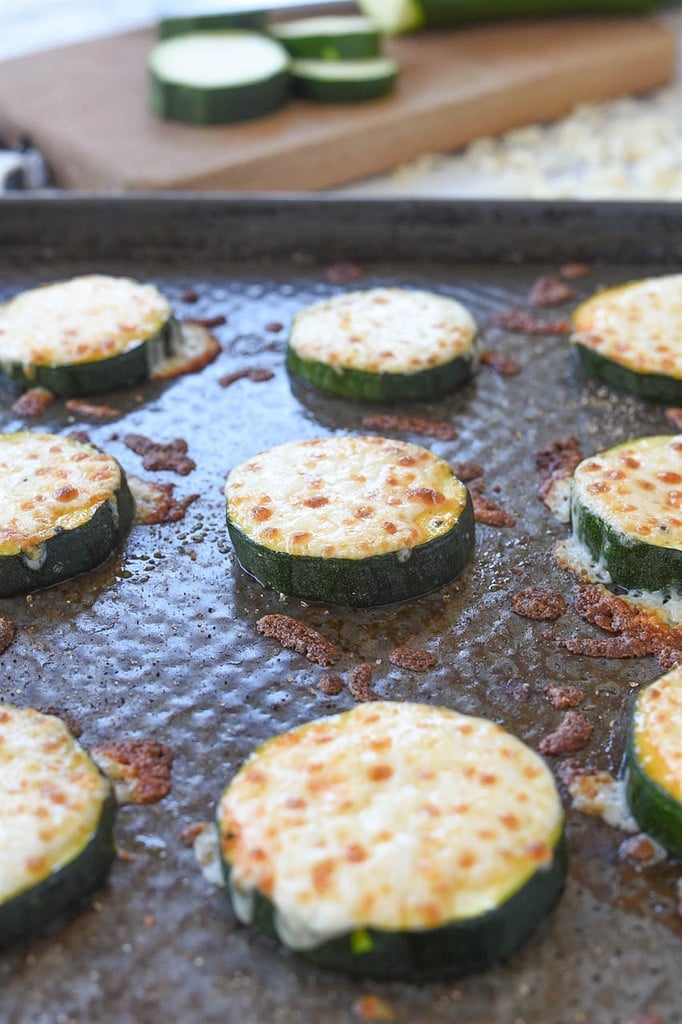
{"x": 56, "y": 821}
{"x": 654, "y": 761}
{"x": 64, "y": 507}
{"x": 395, "y": 841}
{"x": 349, "y": 520}
{"x": 90, "y": 334}
{"x": 384, "y": 344}
{"x": 629, "y": 337}
{"x": 328, "y": 37}
{"x": 626, "y": 509}
{"x": 218, "y": 77}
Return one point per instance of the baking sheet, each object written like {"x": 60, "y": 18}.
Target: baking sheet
{"x": 161, "y": 640}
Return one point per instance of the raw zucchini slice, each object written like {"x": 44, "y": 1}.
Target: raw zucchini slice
{"x": 56, "y": 821}
{"x": 349, "y": 520}
{"x": 218, "y": 77}
{"x": 654, "y": 761}
{"x": 394, "y": 840}
{"x": 64, "y": 507}
{"x": 626, "y": 508}
{"x": 341, "y": 37}
{"x": 629, "y": 337}
{"x": 387, "y": 344}
{"x": 182, "y": 19}
{"x": 345, "y": 81}
{"x": 407, "y": 15}
{"x": 92, "y": 333}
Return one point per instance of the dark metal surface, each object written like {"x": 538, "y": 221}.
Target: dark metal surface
{"x": 161, "y": 640}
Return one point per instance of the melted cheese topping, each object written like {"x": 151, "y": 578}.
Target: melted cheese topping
{"x": 394, "y": 816}
{"x": 344, "y": 497}
{"x": 658, "y": 732}
{"x": 637, "y": 489}
{"x": 638, "y": 325}
{"x": 49, "y": 484}
{"x": 51, "y": 797}
{"x": 78, "y": 321}
{"x": 386, "y": 330}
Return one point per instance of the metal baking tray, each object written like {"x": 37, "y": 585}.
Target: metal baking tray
{"x": 161, "y": 640}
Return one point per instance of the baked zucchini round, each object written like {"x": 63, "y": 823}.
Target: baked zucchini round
{"x": 56, "y": 821}
{"x": 349, "y": 520}
{"x": 64, "y": 507}
{"x": 626, "y": 508}
{"x": 386, "y": 344}
{"x": 629, "y": 337}
{"x": 654, "y": 761}
{"x": 394, "y": 841}
{"x": 90, "y": 334}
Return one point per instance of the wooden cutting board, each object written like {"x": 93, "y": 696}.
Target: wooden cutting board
{"x": 85, "y": 106}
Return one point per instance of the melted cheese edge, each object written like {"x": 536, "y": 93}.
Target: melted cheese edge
{"x": 344, "y": 497}
{"x": 394, "y": 816}
{"x": 385, "y": 330}
{"x": 637, "y": 489}
{"x": 88, "y": 318}
{"x": 638, "y": 325}
{"x": 658, "y": 732}
{"x": 51, "y": 797}
{"x": 49, "y": 484}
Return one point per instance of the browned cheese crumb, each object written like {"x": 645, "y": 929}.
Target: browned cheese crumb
{"x": 200, "y": 349}
{"x": 330, "y": 685}
{"x": 190, "y": 295}
{"x": 254, "y": 373}
{"x": 550, "y": 290}
{"x": 157, "y": 456}
{"x": 297, "y": 636}
{"x": 141, "y": 767}
{"x": 555, "y": 462}
{"x": 486, "y": 511}
{"x": 74, "y": 726}
{"x": 539, "y": 604}
{"x": 360, "y": 683}
{"x": 516, "y": 321}
{"x": 8, "y": 631}
{"x": 500, "y": 363}
{"x": 411, "y": 425}
{"x": 344, "y": 273}
{"x": 79, "y": 435}
{"x": 155, "y": 503}
{"x": 33, "y": 402}
{"x": 564, "y": 697}
{"x": 573, "y": 734}
{"x": 207, "y": 321}
{"x": 674, "y": 416}
{"x": 466, "y": 471}
{"x": 191, "y": 832}
{"x": 572, "y": 271}
{"x": 92, "y": 410}
{"x": 371, "y": 1007}
{"x": 641, "y": 851}
{"x": 412, "y": 658}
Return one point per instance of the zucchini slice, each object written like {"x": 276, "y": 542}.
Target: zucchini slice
{"x": 356, "y": 521}
{"x": 629, "y": 337}
{"x": 218, "y": 77}
{"x": 56, "y": 821}
{"x": 626, "y": 508}
{"x": 340, "y": 37}
{"x": 64, "y": 507}
{"x": 395, "y": 16}
{"x": 395, "y": 841}
{"x": 345, "y": 81}
{"x": 654, "y": 761}
{"x": 90, "y": 334}
{"x": 386, "y": 344}
{"x": 184, "y": 18}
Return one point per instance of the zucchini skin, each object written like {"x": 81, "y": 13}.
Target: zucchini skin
{"x": 631, "y": 563}
{"x": 656, "y": 387}
{"x": 438, "y": 13}
{"x": 181, "y": 25}
{"x": 383, "y": 387}
{"x": 120, "y": 371}
{"x": 449, "y": 951}
{"x": 30, "y": 911}
{"x": 192, "y": 105}
{"x": 363, "y": 582}
{"x": 72, "y": 552}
